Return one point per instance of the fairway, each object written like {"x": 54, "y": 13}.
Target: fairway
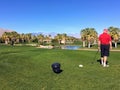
{"x": 29, "y": 68}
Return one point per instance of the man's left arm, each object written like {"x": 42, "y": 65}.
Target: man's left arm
{"x": 110, "y": 44}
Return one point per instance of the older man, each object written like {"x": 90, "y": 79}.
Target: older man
{"x": 104, "y": 44}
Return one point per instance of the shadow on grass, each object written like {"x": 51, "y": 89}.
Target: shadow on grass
{"x": 99, "y": 61}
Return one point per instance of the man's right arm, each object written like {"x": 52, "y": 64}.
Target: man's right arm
{"x": 98, "y": 44}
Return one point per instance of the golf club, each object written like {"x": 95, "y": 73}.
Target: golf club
{"x": 95, "y": 56}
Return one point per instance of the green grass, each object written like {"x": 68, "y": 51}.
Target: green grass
{"x": 29, "y": 68}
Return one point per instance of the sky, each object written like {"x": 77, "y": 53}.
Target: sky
{"x": 59, "y": 16}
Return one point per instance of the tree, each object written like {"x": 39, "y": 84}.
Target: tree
{"x": 48, "y": 39}
{"x": 59, "y": 38}
{"x": 64, "y": 37}
{"x": 10, "y": 37}
{"x": 40, "y": 38}
{"x": 28, "y": 37}
{"x": 89, "y": 35}
{"x": 114, "y": 32}
{"x": 83, "y": 34}
{"x": 5, "y": 37}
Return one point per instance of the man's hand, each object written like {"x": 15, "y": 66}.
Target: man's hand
{"x": 98, "y": 48}
{"x": 110, "y": 47}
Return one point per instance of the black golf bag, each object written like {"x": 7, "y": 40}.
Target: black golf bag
{"x": 56, "y": 68}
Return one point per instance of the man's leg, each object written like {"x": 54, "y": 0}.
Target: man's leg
{"x": 104, "y": 61}
{"x": 102, "y": 54}
{"x": 106, "y": 54}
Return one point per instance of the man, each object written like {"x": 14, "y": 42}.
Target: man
{"x": 104, "y": 44}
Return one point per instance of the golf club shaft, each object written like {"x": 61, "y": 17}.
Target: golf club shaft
{"x": 95, "y": 56}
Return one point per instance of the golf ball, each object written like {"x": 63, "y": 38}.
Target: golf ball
{"x": 80, "y": 65}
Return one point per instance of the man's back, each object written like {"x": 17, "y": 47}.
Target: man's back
{"x": 104, "y": 38}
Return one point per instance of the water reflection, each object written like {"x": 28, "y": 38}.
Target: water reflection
{"x": 70, "y": 47}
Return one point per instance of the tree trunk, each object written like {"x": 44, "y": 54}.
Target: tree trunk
{"x": 95, "y": 42}
{"x": 88, "y": 44}
{"x": 115, "y": 44}
{"x": 7, "y": 41}
{"x": 83, "y": 43}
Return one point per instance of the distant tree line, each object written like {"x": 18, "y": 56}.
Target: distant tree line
{"x": 88, "y": 37}
{"x": 16, "y": 38}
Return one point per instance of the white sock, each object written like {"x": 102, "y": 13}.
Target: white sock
{"x": 104, "y": 64}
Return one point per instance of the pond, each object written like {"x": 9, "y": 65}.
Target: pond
{"x": 71, "y": 47}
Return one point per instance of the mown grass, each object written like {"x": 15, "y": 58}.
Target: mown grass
{"x": 29, "y": 68}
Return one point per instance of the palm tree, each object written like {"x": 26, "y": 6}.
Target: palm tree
{"x": 64, "y": 37}
{"x": 13, "y": 37}
{"x": 59, "y": 38}
{"x": 114, "y": 32}
{"x": 28, "y": 37}
{"x": 70, "y": 39}
{"x": 5, "y": 37}
{"x": 22, "y": 38}
{"x": 40, "y": 38}
{"x": 90, "y": 35}
{"x": 93, "y": 36}
{"x": 10, "y": 37}
{"x": 34, "y": 38}
{"x": 83, "y": 34}
{"x": 47, "y": 39}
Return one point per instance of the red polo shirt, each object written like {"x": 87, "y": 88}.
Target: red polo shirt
{"x": 105, "y": 38}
